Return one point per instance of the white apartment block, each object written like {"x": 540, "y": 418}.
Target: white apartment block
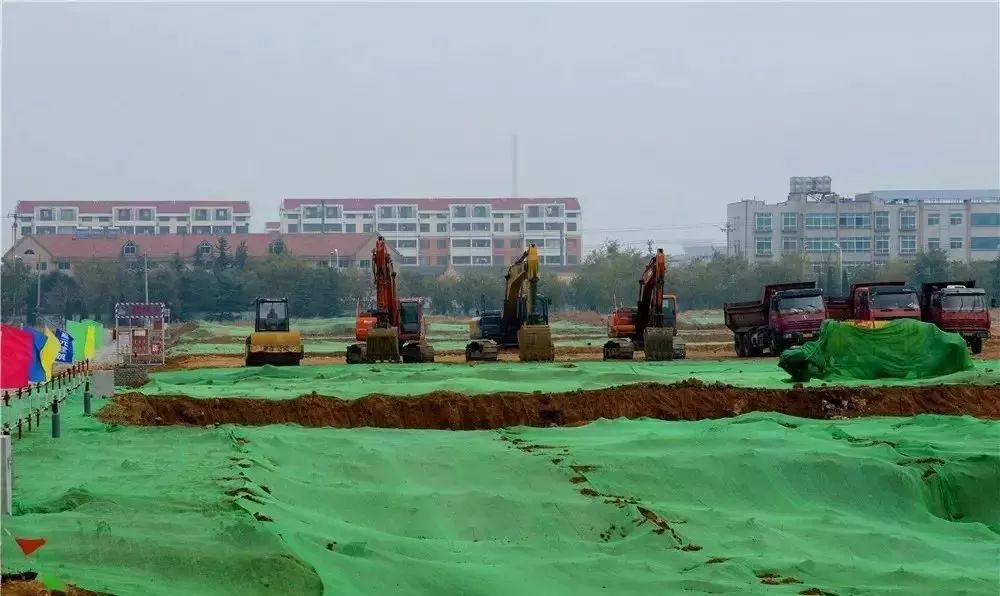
{"x": 872, "y": 227}
{"x": 127, "y": 218}
{"x": 449, "y": 232}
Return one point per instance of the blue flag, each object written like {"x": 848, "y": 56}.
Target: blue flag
{"x": 36, "y": 374}
{"x": 65, "y": 347}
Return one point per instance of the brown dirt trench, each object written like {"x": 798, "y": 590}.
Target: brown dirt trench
{"x": 690, "y": 400}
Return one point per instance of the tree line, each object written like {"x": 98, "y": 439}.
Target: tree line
{"x": 226, "y": 285}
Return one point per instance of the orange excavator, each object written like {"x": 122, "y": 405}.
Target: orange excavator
{"x": 394, "y": 329}
{"x": 644, "y": 326}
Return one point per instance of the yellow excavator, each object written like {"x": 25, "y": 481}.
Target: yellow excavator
{"x": 523, "y": 322}
{"x": 272, "y": 342}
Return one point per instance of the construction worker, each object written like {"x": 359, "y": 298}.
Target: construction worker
{"x": 272, "y": 319}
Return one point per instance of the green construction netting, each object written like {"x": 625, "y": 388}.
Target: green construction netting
{"x": 902, "y": 349}
{"x": 353, "y": 381}
{"x": 870, "y": 506}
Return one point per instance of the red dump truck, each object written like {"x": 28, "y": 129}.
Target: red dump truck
{"x": 875, "y": 301}
{"x": 786, "y": 315}
{"x": 959, "y": 307}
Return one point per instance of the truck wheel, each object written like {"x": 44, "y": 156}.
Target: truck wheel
{"x": 738, "y": 341}
{"x": 976, "y": 344}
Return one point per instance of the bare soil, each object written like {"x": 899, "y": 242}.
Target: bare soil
{"x": 26, "y": 587}
{"x": 691, "y": 400}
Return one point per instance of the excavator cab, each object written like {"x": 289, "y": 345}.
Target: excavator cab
{"x": 272, "y": 341}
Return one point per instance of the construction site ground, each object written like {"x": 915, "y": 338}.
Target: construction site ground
{"x": 707, "y": 475}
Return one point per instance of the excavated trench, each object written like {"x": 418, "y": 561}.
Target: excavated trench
{"x": 691, "y": 400}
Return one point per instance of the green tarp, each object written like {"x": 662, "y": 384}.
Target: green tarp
{"x": 903, "y": 349}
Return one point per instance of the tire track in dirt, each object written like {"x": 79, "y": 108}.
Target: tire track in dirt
{"x": 689, "y": 400}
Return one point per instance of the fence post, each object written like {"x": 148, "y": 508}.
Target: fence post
{"x": 6, "y": 474}
{"x": 56, "y": 430}
{"x": 86, "y": 398}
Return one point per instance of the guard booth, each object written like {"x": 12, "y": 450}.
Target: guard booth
{"x": 140, "y": 333}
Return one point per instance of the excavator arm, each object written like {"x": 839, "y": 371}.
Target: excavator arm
{"x": 648, "y": 331}
{"x": 649, "y": 309}
{"x": 386, "y": 301}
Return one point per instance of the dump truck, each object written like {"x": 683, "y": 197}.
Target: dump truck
{"x": 959, "y": 307}
{"x": 523, "y": 322}
{"x": 272, "y": 342}
{"x": 651, "y": 324}
{"x": 875, "y": 303}
{"x": 394, "y": 329}
{"x": 786, "y": 315}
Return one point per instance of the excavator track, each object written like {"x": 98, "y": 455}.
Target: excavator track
{"x": 417, "y": 351}
{"x": 658, "y": 343}
{"x": 382, "y": 345}
{"x": 619, "y": 349}
{"x": 357, "y": 353}
{"x": 482, "y": 350}
{"x": 534, "y": 344}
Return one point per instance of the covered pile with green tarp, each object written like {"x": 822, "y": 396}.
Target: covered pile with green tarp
{"x": 902, "y": 349}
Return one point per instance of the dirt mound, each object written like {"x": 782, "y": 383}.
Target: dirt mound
{"x": 25, "y": 584}
{"x": 691, "y": 400}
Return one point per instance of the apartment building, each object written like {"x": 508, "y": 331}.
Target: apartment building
{"x": 872, "y": 227}
{"x": 126, "y": 218}
{"x": 449, "y": 232}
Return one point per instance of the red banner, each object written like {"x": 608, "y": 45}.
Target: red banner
{"x": 16, "y": 352}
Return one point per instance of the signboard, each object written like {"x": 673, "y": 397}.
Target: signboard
{"x": 810, "y": 184}
{"x": 141, "y": 310}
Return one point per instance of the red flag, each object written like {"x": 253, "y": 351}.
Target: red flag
{"x": 16, "y": 352}
{"x": 29, "y": 545}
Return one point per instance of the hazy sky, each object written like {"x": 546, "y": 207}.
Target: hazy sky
{"x": 655, "y": 115}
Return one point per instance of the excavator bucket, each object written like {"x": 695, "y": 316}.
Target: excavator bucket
{"x": 619, "y": 349}
{"x": 382, "y": 345}
{"x": 534, "y": 344}
{"x": 277, "y": 348}
{"x": 658, "y": 343}
{"x": 480, "y": 350}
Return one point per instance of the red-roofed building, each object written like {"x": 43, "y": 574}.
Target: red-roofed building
{"x": 62, "y": 252}
{"x": 128, "y": 218}
{"x": 442, "y": 232}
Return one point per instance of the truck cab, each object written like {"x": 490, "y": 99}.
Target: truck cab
{"x": 876, "y": 301}
{"x": 958, "y": 307}
{"x": 786, "y": 315}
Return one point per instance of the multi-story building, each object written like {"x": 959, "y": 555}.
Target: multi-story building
{"x": 445, "y": 232}
{"x": 126, "y": 218}
{"x": 872, "y": 227}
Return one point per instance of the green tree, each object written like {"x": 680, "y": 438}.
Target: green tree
{"x": 277, "y": 247}
{"x": 223, "y": 260}
{"x": 931, "y": 265}
{"x": 240, "y": 258}
{"x": 15, "y": 282}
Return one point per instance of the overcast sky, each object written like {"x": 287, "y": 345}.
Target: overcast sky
{"x": 654, "y": 115}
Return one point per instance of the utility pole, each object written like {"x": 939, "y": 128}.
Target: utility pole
{"x": 728, "y": 228}
{"x": 513, "y": 166}
{"x": 145, "y": 275}
{"x": 649, "y": 246}
{"x": 322, "y": 216}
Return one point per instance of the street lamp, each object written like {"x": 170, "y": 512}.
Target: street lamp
{"x": 840, "y": 272}
{"x": 335, "y": 254}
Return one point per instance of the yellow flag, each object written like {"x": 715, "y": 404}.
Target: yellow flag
{"x": 49, "y": 352}
{"x": 89, "y": 343}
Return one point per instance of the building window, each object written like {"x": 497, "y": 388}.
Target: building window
{"x": 204, "y": 248}
{"x": 385, "y": 212}
{"x": 310, "y": 212}
{"x": 907, "y": 244}
{"x": 554, "y": 226}
{"x": 789, "y": 221}
{"x": 553, "y": 211}
{"x": 350, "y": 216}
{"x": 480, "y": 211}
{"x": 571, "y": 227}
{"x": 442, "y": 228}
{"x": 460, "y": 211}
{"x": 789, "y": 244}
{"x": 481, "y": 227}
{"x": 367, "y": 228}
{"x": 498, "y": 215}
{"x": 762, "y": 222}
{"x": 45, "y": 214}
{"x": 821, "y": 221}
{"x": 461, "y": 227}
{"x": 124, "y": 215}
{"x": 933, "y": 243}
{"x": 201, "y": 214}
{"x": 425, "y": 216}
{"x": 858, "y": 244}
{"x": 515, "y": 227}
{"x": 182, "y": 230}
{"x": 164, "y": 229}
{"x": 425, "y": 243}
{"x": 498, "y": 243}
{"x": 294, "y": 228}
{"x": 820, "y": 244}
{"x": 482, "y": 260}
{"x": 882, "y": 245}
{"x": 145, "y": 230}
{"x": 854, "y": 220}
{"x": 291, "y": 215}
{"x": 955, "y": 243}
{"x": 333, "y": 212}
{"x": 160, "y": 218}
{"x": 984, "y": 242}
{"x": 461, "y": 260}
{"x": 442, "y": 243}
{"x": 351, "y": 228}
{"x": 222, "y": 229}
{"x": 242, "y": 229}
{"x": 534, "y": 211}
{"x": 26, "y": 230}
{"x": 907, "y": 220}
{"x": 182, "y": 218}
{"x": 882, "y": 220}
{"x": 533, "y": 226}
{"x": 364, "y": 264}
{"x": 335, "y": 227}
{"x": 425, "y": 228}
{"x": 498, "y": 227}
{"x": 67, "y": 215}
{"x": 387, "y": 227}
{"x": 129, "y": 249}
{"x": 221, "y": 214}
{"x": 933, "y": 219}
{"x": 407, "y": 227}
{"x": 63, "y": 266}
{"x": 406, "y": 244}
{"x": 406, "y": 213}
{"x": 42, "y": 266}
{"x": 955, "y": 219}
{"x": 763, "y": 246}
{"x": 463, "y": 243}
{"x": 442, "y": 259}
{"x": 984, "y": 219}
{"x": 515, "y": 243}
{"x": 481, "y": 243}
{"x": 550, "y": 243}
{"x": 408, "y": 260}
{"x": 145, "y": 215}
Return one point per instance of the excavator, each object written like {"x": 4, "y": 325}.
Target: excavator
{"x": 523, "y": 322}
{"x": 272, "y": 342}
{"x": 394, "y": 329}
{"x": 646, "y": 326}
